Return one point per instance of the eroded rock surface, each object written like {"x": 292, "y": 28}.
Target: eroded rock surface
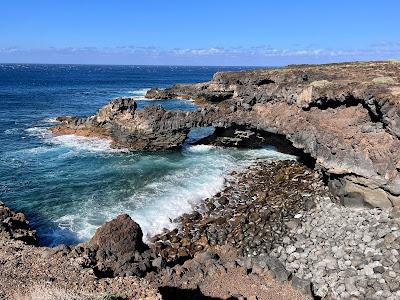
{"x": 150, "y": 129}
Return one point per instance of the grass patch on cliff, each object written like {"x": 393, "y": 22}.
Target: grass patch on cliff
{"x": 320, "y": 83}
{"x": 384, "y": 80}
{"x": 39, "y": 292}
{"x": 109, "y": 297}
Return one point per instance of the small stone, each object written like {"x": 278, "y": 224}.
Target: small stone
{"x": 237, "y": 297}
{"x": 368, "y": 271}
{"x": 379, "y": 269}
{"x": 304, "y": 286}
{"x": 290, "y": 249}
{"x": 158, "y": 263}
{"x": 277, "y": 269}
{"x": 367, "y": 238}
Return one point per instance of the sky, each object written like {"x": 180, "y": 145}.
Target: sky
{"x": 218, "y": 32}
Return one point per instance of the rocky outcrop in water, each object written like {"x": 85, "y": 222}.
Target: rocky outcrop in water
{"x": 15, "y": 226}
{"x": 345, "y": 116}
{"x": 150, "y": 129}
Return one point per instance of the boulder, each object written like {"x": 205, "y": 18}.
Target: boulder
{"x": 119, "y": 249}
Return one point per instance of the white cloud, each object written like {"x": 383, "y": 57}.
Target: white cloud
{"x": 262, "y": 54}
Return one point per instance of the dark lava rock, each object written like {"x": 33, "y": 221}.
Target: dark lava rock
{"x": 302, "y": 285}
{"x": 16, "y": 226}
{"x": 119, "y": 249}
{"x": 121, "y": 235}
{"x": 277, "y": 269}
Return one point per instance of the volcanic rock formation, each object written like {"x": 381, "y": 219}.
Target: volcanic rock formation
{"x": 15, "y": 226}
{"x": 345, "y": 116}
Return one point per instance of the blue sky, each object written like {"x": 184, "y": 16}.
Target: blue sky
{"x": 198, "y": 32}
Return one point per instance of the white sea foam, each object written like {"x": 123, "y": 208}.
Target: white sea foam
{"x": 37, "y": 131}
{"x": 79, "y": 143}
{"x": 269, "y": 153}
{"x": 199, "y": 148}
{"x": 162, "y": 200}
{"x": 12, "y": 131}
{"x": 50, "y": 120}
{"x": 139, "y": 92}
{"x": 153, "y": 208}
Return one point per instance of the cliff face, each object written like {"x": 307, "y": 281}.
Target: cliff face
{"x": 346, "y": 116}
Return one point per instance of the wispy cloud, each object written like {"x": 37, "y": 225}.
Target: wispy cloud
{"x": 262, "y": 55}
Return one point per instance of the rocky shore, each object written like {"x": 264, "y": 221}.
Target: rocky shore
{"x": 116, "y": 261}
{"x": 325, "y": 227}
{"x": 274, "y": 232}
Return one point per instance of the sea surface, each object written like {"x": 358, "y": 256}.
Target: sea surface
{"x": 68, "y": 186}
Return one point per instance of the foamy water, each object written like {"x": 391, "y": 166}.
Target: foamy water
{"x": 198, "y": 172}
{"x": 70, "y": 185}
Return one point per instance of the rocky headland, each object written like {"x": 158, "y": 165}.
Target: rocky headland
{"x": 345, "y": 117}
{"x": 326, "y": 226}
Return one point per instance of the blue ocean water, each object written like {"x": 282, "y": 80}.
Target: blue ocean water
{"x": 68, "y": 185}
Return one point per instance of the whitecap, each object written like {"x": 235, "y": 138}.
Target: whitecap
{"x": 199, "y": 148}
{"x": 11, "y": 131}
{"x": 139, "y": 92}
{"x": 86, "y": 144}
{"x": 38, "y": 131}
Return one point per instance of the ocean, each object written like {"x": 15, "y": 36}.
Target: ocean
{"x": 68, "y": 186}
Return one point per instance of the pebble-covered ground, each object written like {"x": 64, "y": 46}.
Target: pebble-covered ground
{"x": 275, "y": 229}
{"x": 253, "y": 213}
{"x": 283, "y": 210}
{"x": 348, "y": 253}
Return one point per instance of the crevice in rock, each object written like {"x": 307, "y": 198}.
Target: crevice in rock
{"x": 264, "y": 82}
{"x": 173, "y": 293}
{"x": 373, "y": 108}
{"x": 245, "y": 136}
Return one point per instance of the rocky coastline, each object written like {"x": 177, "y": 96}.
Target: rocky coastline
{"x": 116, "y": 261}
{"x": 326, "y": 226}
{"x": 344, "y": 116}
{"x": 275, "y": 227}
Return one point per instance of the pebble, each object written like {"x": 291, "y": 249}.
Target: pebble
{"x": 351, "y": 252}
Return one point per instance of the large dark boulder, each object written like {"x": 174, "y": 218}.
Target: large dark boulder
{"x": 119, "y": 248}
{"x": 121, "y": 235}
